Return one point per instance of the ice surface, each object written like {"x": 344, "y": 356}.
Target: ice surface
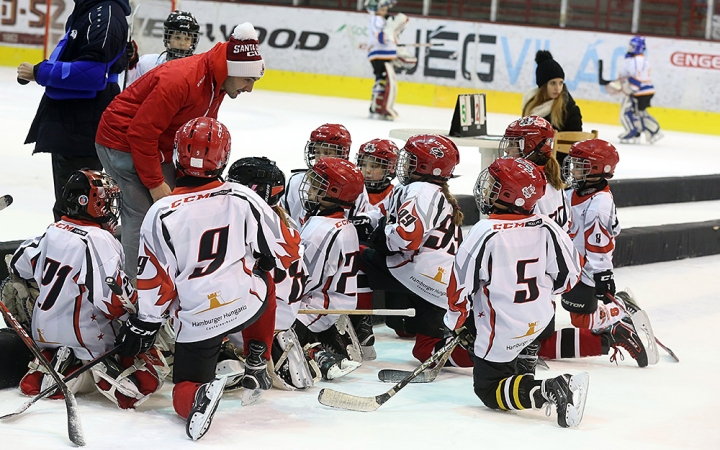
{"x": 667, "y": 406}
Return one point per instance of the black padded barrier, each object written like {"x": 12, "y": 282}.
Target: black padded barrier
{"x": 657, "y": 191}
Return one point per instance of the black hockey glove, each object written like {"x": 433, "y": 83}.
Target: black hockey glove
{"x": 362, "y": 226}
{"x": 377, "y": 239}
{"x": 136, "y": 336}
{"x": 604, "y": 284}
{"x": 467, "y": 335}
{"x": 264, "y": 262}
{"x": 131, "y": 52}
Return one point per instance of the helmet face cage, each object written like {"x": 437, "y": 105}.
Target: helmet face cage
{"x": 315, "y": 151}
{"x": 184, "y": 24}
{"x": 313, "y": 189}
{"x": 406, "y": 166}
{"x": 94, "y": 196}
{"x": 575, "y": 171}
{"x": 261, "y": 175}
{"x": 486, "y": 191}
{"x": 202, "y": 148}
{"x": 512, "y": 146}
{"x": 372, "y": 162}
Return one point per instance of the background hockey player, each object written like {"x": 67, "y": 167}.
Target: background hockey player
{"x": 331, "y": 258}
{"x": 333, "y": 140}
{"x": 383, "y": 33}
{"x": 206, "y": 251}
{"x": 136, "y": 133}
{"x": 180, "y": 38}
{"x": 600, "y": 324}
{"x": 502, "y": 279}
{"x": 72, "y": 319}
{"x": 290, "y": 369}
{"x": 412, "y": 254}
{"x": 636, "y": 83}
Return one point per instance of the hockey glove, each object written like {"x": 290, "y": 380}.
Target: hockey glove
{"x": 377, "y": 239}
{"x": 131, "y": 52}
{"x": 604, "y": 284}
{"x": 136, "y": 336}
{"x": 467, "y": 336}
{"x": 362, "y": 226}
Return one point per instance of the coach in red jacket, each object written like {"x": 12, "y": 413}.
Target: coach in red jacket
{"x": 136, "y": 134}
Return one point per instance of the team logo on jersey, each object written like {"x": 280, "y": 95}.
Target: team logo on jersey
{"x": 438, "y": 276}
{"x": 216, "y": 301}
{"x": 41, "y": 338}
{"x": 530, "y": 331}
{"x": 437, "y": 153}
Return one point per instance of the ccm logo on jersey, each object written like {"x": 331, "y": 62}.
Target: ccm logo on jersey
{"x": 249, "y": 49}
{"x": 342, "y": 223}
{"x": 697, "y": 60}
{"x": 509, "y": 225}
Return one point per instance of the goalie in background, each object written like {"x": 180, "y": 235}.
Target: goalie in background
{"x": 180, "y": 37}
{"x": 635, "y": 83}
{"x": 384, "y": 54}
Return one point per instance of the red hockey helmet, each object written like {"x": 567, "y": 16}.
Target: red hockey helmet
{"x": 331, "y": 180}
{"x": 590, "y": 158}
{"x": 430, "y": 156}
{"x": 378, "y": 153}
{"x": 202, "y": 148}
{"x": 512, "y": 182}
{"x": 528, "y": 136}
{"x": 328, "y": 140}
{"x": 94, "y": 196}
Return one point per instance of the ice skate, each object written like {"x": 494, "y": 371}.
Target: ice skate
{"x": 528, "y": 359}
{"x": 651, "y": 137}
{"x": 623, "y": 335}
{"x": 256, "y": 379}
{"x": 364, "y": 331}
{"x": 568, "y": 393}
{"x": 331, "y": 365}
{"x": 206, "y": 401}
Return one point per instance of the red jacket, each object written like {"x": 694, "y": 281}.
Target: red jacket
{"x": 143, "y": 119}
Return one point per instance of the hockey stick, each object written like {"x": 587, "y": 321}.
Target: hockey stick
{"x": 54, "y": 387}
{"x": 410, "y": 312}
{"x": 130, "y": 33}
{"x": 75, "y": 432}
{"x": 335, "y": 399}
{"x": 117, "y": 290}
{"x": 602, "y": 81}
{"x": 420, "y": 44}
{"x": 395, "y": 376}
{"x": 5, "y": 201}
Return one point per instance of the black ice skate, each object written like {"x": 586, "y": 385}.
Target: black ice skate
{"x": 364, "y": 331}
{"x": 622, "y": 334}
{"x": 331, "y": 364}
{"x": 206, "y": 401}
{"x": 257, "y": 378}
{"x": 568, "y": 393}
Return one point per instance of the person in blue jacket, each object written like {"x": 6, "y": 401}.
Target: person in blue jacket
{"x": 80, "y": 79}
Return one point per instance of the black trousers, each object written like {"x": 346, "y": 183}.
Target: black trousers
{"x": 62, "y": 168}
{"x": 428, "y": 318}
{"x": 378, "y": 66}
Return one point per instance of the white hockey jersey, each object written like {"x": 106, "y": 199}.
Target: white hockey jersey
{"x": 420, "y": 227}
{"x": 636, "y": 71}
{"x": 381, "y": 199}
{"x": 290, "y": 277}
{"x": 292, "y": 204}
{"x": 554, "y": 204}
{"x": 506, "y": 270}
{"x": 198, "y": 248}
{"x": 381, "y": 44}
{"x": 593, "y": 229}
{"x": 75, "y": 307}
{"x": 332, "y": 260}
{"x": 144, "y": 65}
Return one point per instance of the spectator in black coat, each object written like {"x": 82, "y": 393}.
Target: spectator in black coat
{"x": 551, "y": 99}
{"x": 80, "y": 80}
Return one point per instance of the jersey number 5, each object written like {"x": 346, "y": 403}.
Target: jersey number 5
{"x": 532, "y": 292}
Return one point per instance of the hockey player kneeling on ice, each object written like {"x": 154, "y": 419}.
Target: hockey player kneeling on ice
{"x": 290, "y": 370}
{"x": 600, "y": 325}
{"x": 503, "y": 276}
{"x": 331, "y": 252}
{"x": 72, "y": 317}
{"x": 206, "y": 252}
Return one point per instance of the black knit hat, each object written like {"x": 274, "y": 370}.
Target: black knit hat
{"x": 547, "y": 68}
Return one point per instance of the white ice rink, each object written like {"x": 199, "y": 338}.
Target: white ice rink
{"x": 666, "y": 406}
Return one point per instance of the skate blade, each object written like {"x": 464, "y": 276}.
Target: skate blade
{"x": 641, "y": 321}
{"x": 579, "y": 386}
{"x": 250, "y": 396}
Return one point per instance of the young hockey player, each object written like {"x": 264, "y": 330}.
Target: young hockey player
{"x": 180, "y": 38}
{"x": 502, "y": 280}
{"x": 205, "y": 254}
{"x": 333, "y": 140}
{"x": 72, "y": 319}
{"x": 376, "y": 160}
{"x": 290, "y": 370}
{"x": 600, "y": 324}
{"x": 383, "y": 33}
{"x": 636, "y": 84}
{"x": 331, "y": 258}
{"x": 412, "y": 252}
{"x": 532, "y": 138}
